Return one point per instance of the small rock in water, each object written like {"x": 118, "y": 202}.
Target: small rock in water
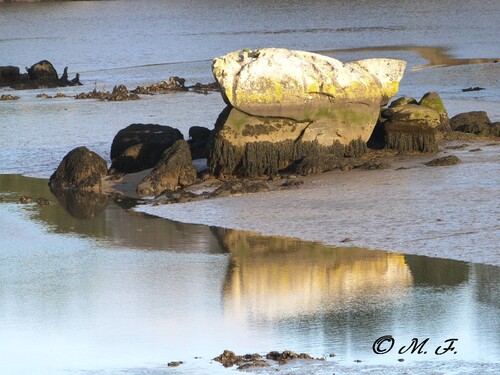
{"x": 25, "y": 200}
{"x": 175, "y": 363}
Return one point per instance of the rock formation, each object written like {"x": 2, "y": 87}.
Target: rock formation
{"x": 140, "y": 146}
{"x": 80, "y": 169}
{"x": 284, "y": 105}
{"x": 174, "y": 169}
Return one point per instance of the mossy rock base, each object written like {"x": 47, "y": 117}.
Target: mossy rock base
{"x": 268, "y": 158}
{"x": 411, "y": 141}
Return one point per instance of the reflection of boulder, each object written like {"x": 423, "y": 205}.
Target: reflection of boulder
{"x": 284, "y": 277}
{"x": 140, "y": 146}
{"x": 81, "y": 204}
{"x": 437, "y": 271}
{"x": 80, "y": 169}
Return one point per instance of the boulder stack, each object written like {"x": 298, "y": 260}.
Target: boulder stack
{"x": 284, "y": 105}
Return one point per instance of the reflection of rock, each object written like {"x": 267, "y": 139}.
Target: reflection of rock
{"x": 81, "y": 204}
{"x": 437, "y": 271}
{"x": 174, "y": 169}
{"x": 80, "y": 169}
{"x": 282, "y": 277}
{"x": 246, "y": 145}
{"x": 140, "y": 146}
{"x": 302, "y": 85}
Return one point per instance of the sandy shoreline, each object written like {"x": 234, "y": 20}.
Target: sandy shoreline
{"x": 446, "y": 212}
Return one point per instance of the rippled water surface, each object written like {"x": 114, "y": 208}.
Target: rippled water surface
{"x": 89, "y": 287}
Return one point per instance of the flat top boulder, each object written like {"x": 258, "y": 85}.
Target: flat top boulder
{"x": 300, "y": 85}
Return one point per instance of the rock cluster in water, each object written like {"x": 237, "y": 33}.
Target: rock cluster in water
{"x": 39, "y": 75}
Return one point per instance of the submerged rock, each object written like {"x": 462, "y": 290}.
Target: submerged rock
{"x": 174, "y": 169}
{"x": 80, "y": 169}
{"x": 140, "y": 146}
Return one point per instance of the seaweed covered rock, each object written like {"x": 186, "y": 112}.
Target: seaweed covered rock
{"x": 476, "y": 122}
{"x": 174, "y": 169}
{"x": 80, "y": 169}
{"x": 302, "y": 85}
{"x": 250, "y": 146}
{"x": 140, "y": 146}
{"x": 433, "y": 101}
{"x": 411, "y": 128}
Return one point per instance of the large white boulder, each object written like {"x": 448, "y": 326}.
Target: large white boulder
{"x": 301, "y": 85}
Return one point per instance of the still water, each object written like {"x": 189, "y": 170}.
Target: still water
{"x": 94, "y": 288}
{"x": 109, "y": 290}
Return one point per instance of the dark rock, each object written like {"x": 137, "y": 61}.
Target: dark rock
{"x": 433, "y": 101}
{"x": 43, "y": 202}
{"x": 477, "y": 88}
{"x": 411, "y": 128}
{"x": 43, "y": 71}
{"x": 198, "y": 142}
{"x": 140, "y": 146}
{"x": 476, "y": 122}
{"x": 286, "y": 356}
{"x": 80, "y": 169}
{"x": 443, "y": 161}
{"x": 174, "y": 169}
{"x": 9, "y": 75}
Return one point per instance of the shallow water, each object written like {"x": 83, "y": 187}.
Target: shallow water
{"x": 124, "y": 293}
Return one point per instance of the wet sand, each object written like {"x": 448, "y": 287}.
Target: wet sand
{"x": 447, "y": 212}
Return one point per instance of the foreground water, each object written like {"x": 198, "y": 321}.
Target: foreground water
{"x": 103, "y": 290}
{"x": 112, "y": 291}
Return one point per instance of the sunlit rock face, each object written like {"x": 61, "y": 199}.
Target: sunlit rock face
{"x": 284, "y": 105}
{"x": 302, "y": 85}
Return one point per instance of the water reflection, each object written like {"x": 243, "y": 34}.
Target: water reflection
{"x": 209, "y": 289}
{"x": 279, "y": 277}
